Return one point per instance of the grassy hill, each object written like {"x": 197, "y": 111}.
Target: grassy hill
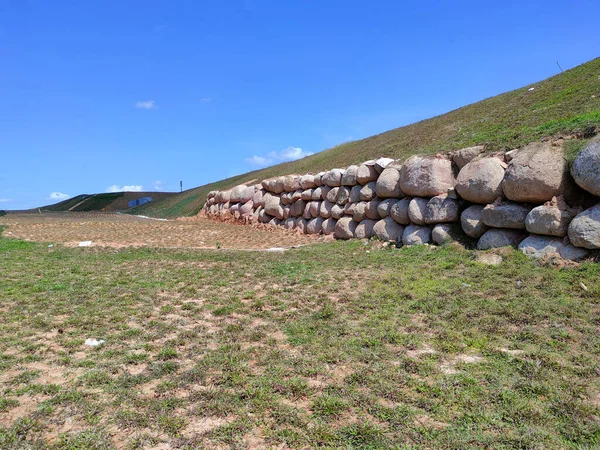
{"x": 566, "y": 104}
{"x": 107, "y": 202}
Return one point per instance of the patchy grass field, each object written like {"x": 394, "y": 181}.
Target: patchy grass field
{"x": 337, "y": 345}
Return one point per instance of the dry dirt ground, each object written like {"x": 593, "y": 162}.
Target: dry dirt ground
{"x": 122, "y": 230}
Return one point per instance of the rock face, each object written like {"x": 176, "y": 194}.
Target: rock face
{"x": 343, "y": 195}
{"x": 325, "y": 209}
{"x": 337, "y": 211}
{"x": 552, "y": 218}
{"x": 465, "y": 155}
{"x": 388, "y": 230}
{"x": 307, "y": 182}
{"x": 441, "y": 209}
{"x": 344, "y": 228}
{"x": 542, "y": 246}
{"x": 314, "y": 226}
{"x": 399, "y": 211}
{"x": 355, "y": 194}
{"x": 366, "y": 172}
{"x": 480, "y": 181}
{"x": 273, "y": 206}
{"x": 443, "y": 233}
{"x": 383, "y": 209}
{"x": 367, "y": 192}
{"x": 291, "y": 183}
{"x": 236, "y": 193}
{"x": 388, "y": 184}
{"x": 332, "y": 194}
{"x": 371, "y": 210}
{"x": 328, "y": 226}
{"x": 416, "y": 235}
{"x": 349, "y": 177}
{"x": 364, "y": 230}
{"x": 417, "y": 209}
{"x": 584, "y": 230}
{"x": 426, "y": 176}
{"x": 507, "y": 215}
{"x": 499, "y": 237}
{"x": 382, "y": 163}
{"x": 297, "y": 208}
{"x": 333, "y": 178}
{"x": 536, "y": 173}
{"x": 586, "y": 168}
{"x": 471, "y": 223}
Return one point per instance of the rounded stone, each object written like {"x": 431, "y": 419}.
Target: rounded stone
{"x": 388, "y": 184}
{"x": 537, "y": 247}
{"x": 584, "y": 229}
{"x": 500, "y": 237}
{"x": 471, "y": 223}
{"x": 349, "y": 177}
{"x": 586, "y": 168}
{"x": 441, "y": 209}
{"x": 344, "y": 228}
{"x": 387, "y": 229}
{"x": 399, "y": 211}
{"x": 416, "y": 235}
{"x": 364, "y": 230}
{"x": 383, "y": 209}
{"x": 506, "y": 215}
{"x": 333, "y": 178}
{"x": 314, "y": 226}
{"x": 480, "y": 181}
{"x": 366, "y": 172}
{"x": 426, "y": 176}
{"x": 328, "y": 226}
{"x": 417, "y": 209}
{"x": 367, "y": 192}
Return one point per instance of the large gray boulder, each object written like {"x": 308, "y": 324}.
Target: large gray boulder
{"x": 273, "y": 185}
{"x": 247, "y": 194}
{"x": 358, "y": 211}
{"x": 317, "y": 193}
{"x": 332, "y": 195}
{"x": 500, "y": 237}
{"x": 480, "y": 181}
{"x": 387, "y": 229}
{"x": 366, "y": 172}
{"x": 399, "y": 211}
{"x": 258, "y": 197}
{"x": 355, "y": 194}
{"x": 388, "y": 184}
{"x": 247, "y": 208}
{"x": 237, "y": 192}
{"x": 225, "y": 196}
{"x": 426, "y": 176}
{"x": 371, "y": 210}
{"x": 343, "y": 195}
{"x": 314, "y": 208}
{"x": 416, "y": 235}
{"x": 584, "y": 229}
{"x": 441, "y": 209}
{"x": 344, "y": 228}
{"x": 444, "y": 233}
{"x": 273, "y": 206}
{"x": 471, "y": 223}
{"x": 297, "y": 208}
{"x": 301, "y": 224}
{"x": 364, "y": 230}
{"x": 325, "y": 209}
{"x": 417, "y": 209}
{"x": 586, "y": 168}
{"x": 552, "y": 218}
{"x": 465, "y": 155}
{"x": 333, "y": 178}
{"x": 382, "y": 163}
{"x": 307, "y": 181}
{"x": 328, "y": 226}
{"x": 306, "y": 214}
{"x": 536, "y": 173}
{"x": 324, "y": 192}
{"x": 349, "y": 177}
{"x": 538, "y": 247}
{"x": 307, "y": 194}
{"x": 314, "y": 226}
{"x": 337, "y": 211}
{"x": 318, "y": 179}
{"x": 290, "y": 223}
{"x": 383, "y": 209}
{"x": 291, "y": 183}
{"x": 505, "y": 215}
{"x": 286, "y": 198}
{"x": 367, "y": 192}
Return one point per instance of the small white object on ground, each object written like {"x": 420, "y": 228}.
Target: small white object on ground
{"x": 85, "y": 243}
{"x": 466, "y": 285}
{"x": 530, "y": 89}
{"x": 50, "y": 245}
{"x": 275, "y": 250}
{"x": 583, "y": 286}
{"x": 94, "y": 342}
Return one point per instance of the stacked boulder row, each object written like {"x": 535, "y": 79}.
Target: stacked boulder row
{"x": 525, "y": 198}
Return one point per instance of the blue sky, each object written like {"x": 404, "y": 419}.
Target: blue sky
{"x": 101, "y": 95}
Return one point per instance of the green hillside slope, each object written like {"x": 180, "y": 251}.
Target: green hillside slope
{"x": 568, "y": 103}
{"x": 106, "y": 202}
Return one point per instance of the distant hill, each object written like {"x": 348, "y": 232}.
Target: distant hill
{"x": 565, "y": 104}
{"x": 108, "y": 202}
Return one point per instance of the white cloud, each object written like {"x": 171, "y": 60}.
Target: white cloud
{"x": 148, "y": 104}
{"x": 206, "y": 99}
{"x": 5, "y": 200}
{"x": 126, "y": 188}
{"x": 59, "y": 196}
{"x": 158, "y": 185}
{"x": 287, "y": 154}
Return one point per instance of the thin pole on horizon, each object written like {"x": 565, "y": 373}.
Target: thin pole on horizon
{"x": 181, "y": 186}
{"x": 561, "y": 69}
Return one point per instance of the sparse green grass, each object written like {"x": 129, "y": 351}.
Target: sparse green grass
{"x": 566, "y": 104}
{"x": 323, "y": 346}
